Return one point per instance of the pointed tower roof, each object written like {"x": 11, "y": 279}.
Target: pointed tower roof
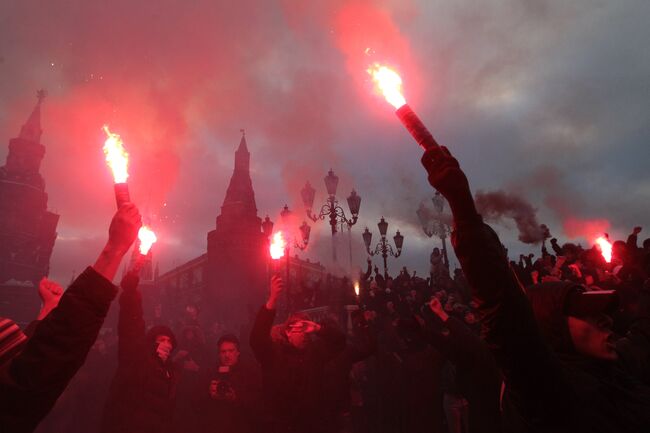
{"x": 240, "y": 197}
{"x": 31, "y": 130}
{"x": 243, "y": 147}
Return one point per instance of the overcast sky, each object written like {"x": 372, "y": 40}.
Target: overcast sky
{"x": 548, "y": 100}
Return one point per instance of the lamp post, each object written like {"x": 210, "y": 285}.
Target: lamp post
{"x": 384, "y": 247}
{"x": 331, "y": 208}
{"x": 292, "y": 240}
{"x": 434, "y": 224}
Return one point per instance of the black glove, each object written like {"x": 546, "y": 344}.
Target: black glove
{"x": 445, "y": 175}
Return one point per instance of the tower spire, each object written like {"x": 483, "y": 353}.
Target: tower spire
{"x": 31, "y": 130}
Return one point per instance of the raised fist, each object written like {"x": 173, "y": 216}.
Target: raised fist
{"x": 445, "y": 174}
{"x": 50, "y": 293}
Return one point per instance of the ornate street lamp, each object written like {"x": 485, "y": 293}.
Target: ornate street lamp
{"x": 383, "y": 247}
{"x": 331, "y": 208}
{"x": 434, "y": 224}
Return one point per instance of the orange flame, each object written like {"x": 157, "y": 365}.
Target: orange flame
{"x": 389, "y": 83}
{"x": 116, "y": 156}
{"x": 277, "y": 246}
{"x": 356, "y": 288}
{"x": 605, "y": 248}
{"x": 147, "y": 238}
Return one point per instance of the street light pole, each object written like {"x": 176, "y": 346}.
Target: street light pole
{"x": 435, "y": 225}
{"x": 331, "y": 208}
{"x": 291, "y": 239}
{"x": 383, "y": 247}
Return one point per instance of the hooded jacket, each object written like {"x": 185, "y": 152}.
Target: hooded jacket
{"x": 32, "y": 381}
{"x": 143, "y": 392}
{"x": 548, "y": 386}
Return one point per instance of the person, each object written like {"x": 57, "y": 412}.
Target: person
{"x": 293, "y": 366}
{"x": 143, "y": 391}
{"x": 231, "y": 394}
{"x": 35, "y": 371}
{"x": 554, "y": 347}
{"x": 471, "y": 376}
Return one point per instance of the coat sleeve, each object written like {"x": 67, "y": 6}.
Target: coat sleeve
{"x": 130, "y": 328}
{"x": 260, "y": 339}
{"x": 62, "y": 340}
{"x": 533, "y": 375}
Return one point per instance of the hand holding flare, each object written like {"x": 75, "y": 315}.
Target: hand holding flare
{"x": 118, "y": 160}
{"x": 389, "y": 84}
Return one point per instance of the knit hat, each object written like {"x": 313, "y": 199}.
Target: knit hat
{"x": 12, "y": 339}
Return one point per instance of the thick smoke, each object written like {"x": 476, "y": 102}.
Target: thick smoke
{"x": 498, "y": 205}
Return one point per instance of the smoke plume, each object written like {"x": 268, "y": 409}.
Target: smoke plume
{"x": 498, "y": 205}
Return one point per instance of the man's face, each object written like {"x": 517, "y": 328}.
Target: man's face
{"x": 228, "y": 354}
{"x": 297, "y": 337}
{"x": 163, "y": 347}
{"x": 592, "y": 337}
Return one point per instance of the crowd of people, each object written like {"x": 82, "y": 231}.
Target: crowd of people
{"x": 554, "y": 343}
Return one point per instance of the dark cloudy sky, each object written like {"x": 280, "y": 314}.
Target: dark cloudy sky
{"x": 545, "y": 99}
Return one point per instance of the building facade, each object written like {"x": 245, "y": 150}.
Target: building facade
{"x": 27, "y": 228}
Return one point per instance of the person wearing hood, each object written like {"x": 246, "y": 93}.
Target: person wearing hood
{"x": 36, "y": 366}
{"x": 554, "y": 347}
{"x": 294, "y": 367}
{"x": 143, "y": 392}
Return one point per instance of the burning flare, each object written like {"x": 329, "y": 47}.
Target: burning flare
{"x": 147, "y": 238}
{"x": 356, "y": 288}
{"x": 116, "y": 156}
{"x": 605, "y": 248}
{"x": 389, "y": 83}
{"x": 277, "y": 246}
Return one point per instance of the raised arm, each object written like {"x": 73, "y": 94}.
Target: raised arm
{"x": 260, "y": 338}
{"x": 64, "y": 336}
{"x": 130, "y": 326}
{"x": 531, "y": 370}
{"x": 34, "y": 379}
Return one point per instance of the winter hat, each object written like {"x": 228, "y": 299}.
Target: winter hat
{"x": 12, "y": 339}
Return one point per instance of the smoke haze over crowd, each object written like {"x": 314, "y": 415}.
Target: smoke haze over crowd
{"x": 536, "y": 99}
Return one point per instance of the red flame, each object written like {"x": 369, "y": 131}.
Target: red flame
{"x": 388, "y": 83}
{"x": 605, "y": 248}
{"x": 116, "y": 156}
{"x": 277, "y": 246}
{"x": 147, "y": 238}
{"x": 356, "y": 288}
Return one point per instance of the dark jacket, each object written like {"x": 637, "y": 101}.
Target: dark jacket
{"x": 547, "y": 388}
{"x": 33, "y": 380}
{"x": 477, "y": 377}
{"x": 239, "y": 415}
{"x": 293, "y": 380}
{"x": 143, "y": 391}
